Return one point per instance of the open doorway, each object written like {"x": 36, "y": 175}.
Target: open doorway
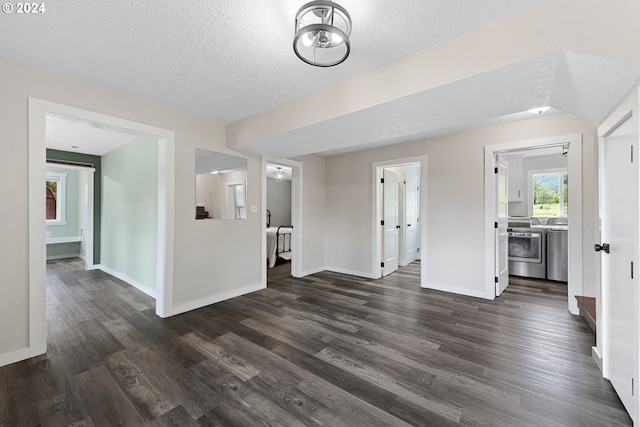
{"x": 398, "y": 205}
{"x": 544, "y": 187}
{"x": 282, "y": 235}
{"x": 279, "y": 221}
{"x": 69, "y": 190}
{"x": 39, "y": 111}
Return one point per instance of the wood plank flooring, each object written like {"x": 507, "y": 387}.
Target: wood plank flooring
{"x": 327, "y": 349}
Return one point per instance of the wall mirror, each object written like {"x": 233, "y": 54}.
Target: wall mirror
{"x": 221, "y": 181}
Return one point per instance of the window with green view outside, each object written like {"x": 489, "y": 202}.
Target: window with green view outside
{"x": 550, "y": 194}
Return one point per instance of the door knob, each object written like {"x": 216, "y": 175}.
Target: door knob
{"x": 408, "y": 225}
{"x": 604, "y": 247}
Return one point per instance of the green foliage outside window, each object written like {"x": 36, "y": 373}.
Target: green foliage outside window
{"x": 550, "y": 194}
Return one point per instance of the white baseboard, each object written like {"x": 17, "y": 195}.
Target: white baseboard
{"x": 366, "y": 275}
{"x": 15, "y": 356}
{"x": 597, "y": 357}
{"x": 64, "y": 256}
{"x": 311, "y": 271}
{"x": 151, "y": 292}
{"x": 212, "y": 299}
{"x": 457, "y": 290}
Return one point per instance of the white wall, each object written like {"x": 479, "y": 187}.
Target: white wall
{"x": 455, "y": 200}
{"x": 212, "y": 259}
{"x": 314, "y": 213}
{"x": 130, "y": 213}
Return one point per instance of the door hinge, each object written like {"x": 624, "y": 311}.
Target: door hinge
{"x": 382, "y": 264}
{"x": 418, "y": 250}
{"x": 632, "y": 388}
{"x": 495, "y": 225}
{"x": 632, "y": 269}
{"x": 382, "y": 222}
{"x": 632, "y": 154}
{"x": 418, "y": 188}
{"x": 496, "y": 279}
{"x": 496, "y": 170}
{"x": 381, "y": 180}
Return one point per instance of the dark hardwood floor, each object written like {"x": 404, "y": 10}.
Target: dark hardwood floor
{"x": 328, "y": 349}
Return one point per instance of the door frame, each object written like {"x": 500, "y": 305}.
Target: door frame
{"x": 390, "y": 236}
{"x": 574, "y": 142}
{"x": 296, "y": 216}
{"x": 403, "y": 247}
{"x": 376, "y": 172}
{"x": 38, "y": 110}
{"x": 500, "y": 161}
{"x": 628, "y": 108}
{"x": 87, "y": 237}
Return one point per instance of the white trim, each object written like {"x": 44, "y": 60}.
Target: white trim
{"x": 37, "y": 111}
{"x": 366, "y": 275}
{"x": 297, "y": 206}
{"x": 166, "y": 219}
{"x": 202, "y": 302}
{"x": 67, "y": 256}
{"x": 68, "y": 239}
{"x": 88, "y": 234}
{"x": 376, "y": 172}
{"x": 595, "y": 355}
{"x": 15, "y": 356}
{"x": 456, "y": 290}
{"x": 313, "y": 271}
{"x": 51, "y": 164}
{"x": 574, "y": 142}
{"x": 145, "y": 289}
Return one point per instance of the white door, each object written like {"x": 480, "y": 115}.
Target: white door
{"x": 619, "y": 231}
{"x": 390, "y": 226}
{"x": 412, "y": 202}
{"x": 502, "y": 221}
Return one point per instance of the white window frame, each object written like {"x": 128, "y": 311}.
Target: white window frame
{"x": 61, "y": 197}
{"x": 530, "y": 175}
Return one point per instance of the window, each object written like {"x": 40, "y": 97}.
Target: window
{"x": 55, "y": 187}
{"x": 549, "y": 195}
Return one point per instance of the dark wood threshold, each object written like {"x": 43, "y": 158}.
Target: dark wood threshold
{"x": 587, "y": 306}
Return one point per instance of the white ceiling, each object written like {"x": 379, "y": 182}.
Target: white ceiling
{"x": 81, "y": 136}
{"x": 228, "y": 60}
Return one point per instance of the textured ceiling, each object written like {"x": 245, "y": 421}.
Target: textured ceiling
{"x": 494, "y": 97}
{"x": 223, "y": 59}
{"x": 230, "y": 60}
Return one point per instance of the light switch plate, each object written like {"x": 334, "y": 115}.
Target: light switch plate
{"x": 254, "y": 208}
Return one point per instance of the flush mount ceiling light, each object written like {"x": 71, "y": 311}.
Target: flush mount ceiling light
{"x": 322, "y": 33}
{"x": 279, "y": 174}
{"x": 538, "y": 110}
